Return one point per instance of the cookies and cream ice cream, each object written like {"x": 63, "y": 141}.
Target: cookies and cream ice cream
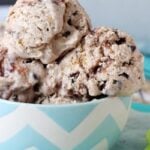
{"x": 50, "y": 54}
{"x": 106, "y": 63}
{"x": 45, "y": 29}
{"x": 2, "y": 27}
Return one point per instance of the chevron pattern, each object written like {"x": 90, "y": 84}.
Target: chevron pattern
{"x": 34, "y": 128}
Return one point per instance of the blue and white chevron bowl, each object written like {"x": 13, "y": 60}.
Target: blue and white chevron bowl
{"x": 94, "y": 125}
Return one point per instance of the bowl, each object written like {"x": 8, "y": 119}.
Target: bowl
{"x": 94, "y": 125}
{"x": 141, "y": 107}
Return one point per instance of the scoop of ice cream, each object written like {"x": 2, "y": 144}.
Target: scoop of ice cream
{"x": 20, "y": 78}
{"x": 44, "y": 29}
{"x": 106, "y": 63}
{"x": 76, "y": 25}
{"x": 32, "y": 24}
{"x": 2, "y": 28}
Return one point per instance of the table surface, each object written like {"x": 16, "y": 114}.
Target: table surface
{"x": 133, "y": 136}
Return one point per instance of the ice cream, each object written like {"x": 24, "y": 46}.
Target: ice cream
{"x": 24, "y": 75}
{"x": 1, "y": 30}
{"x": 106, "y": 63}
{"x": 45, "y": 29}
{"x": 50, "y": 54}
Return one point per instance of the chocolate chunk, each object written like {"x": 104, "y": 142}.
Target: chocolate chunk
{"x": 70, "y": 92}
{"x": 121, "y": 41}
{"x": 75, "y": 13}
{"x": 95, "y": 69}
{"x": 66, "y": 34}
{"x": 35, "y": 76}
{"x": 127, "y": 63}
{"x": 28, "y": 61}
{"x": 45, "y": 65}
{"x": 107, "y": 44}
{"x": 39, "y": 28}
{"x": 124, "y": 75}
{"x": 115, "y": 81}
{"x": 15, "y": 98}
{"x": 78, "y": 28}
{"x": 75, "y": 75}
{"x": 41, "y": 102}
{"x": 133, "y": 48}
{"x": 90, "y": 98}
{"x": 102, "y": 86}
{"x": 70, "y": 22}
{"x": 36, "y": 87}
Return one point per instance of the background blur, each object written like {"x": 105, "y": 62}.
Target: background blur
{"x": 132, "y": 16}
{"x": 6, "y": 2}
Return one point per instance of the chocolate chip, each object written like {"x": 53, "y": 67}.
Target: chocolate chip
{"x": 87, "y": 75}
{"x": 90, "y": 98}
{"x": 28, "y": 61}
{"x": 107, "y": 44}
{"x": 35, "y": 76}
{"x": 45, "y": 65}
{"x": 124, "y": 75}
{"x": 128, "y": 63}
{"x": 75, "y": 75}
{"x": 58, "y": 86}
{"x": 78, "y": 28}
{"x": 15, "y": 97}
{"x": 41, "y": 102}
{"x": 121, "y": 41}
{"x": 36, "y": 87}
{"x": 75, "y": 13}
{"x": 133, "y": 48}
{"x": 125, "y": 63}
{"x": 47, "y": 29}
{"x": 95, "y": 69}
{"x": 102, "y": 86}
{"x": 70, "y": 92}
{"x": 39, "y": 28}
{"x": 66, "y": 34}
{"x": 76, "y": 96}
{"x": 70, "y": 22}
{"x": 115, "y": 81}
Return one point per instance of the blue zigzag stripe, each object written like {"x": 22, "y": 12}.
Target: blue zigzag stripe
{"x": 33, "y": 139}
{"x": 29, "y": 136}
{"x": 126, "y": 101}
{"x": 69, "y": 117}
{"x": 7, "y": 107}
{"x": 111, "y": 134}
{"x": 66, "y": 120}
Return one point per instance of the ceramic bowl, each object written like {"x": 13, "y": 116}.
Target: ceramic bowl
{"x": 94, "y": 125}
